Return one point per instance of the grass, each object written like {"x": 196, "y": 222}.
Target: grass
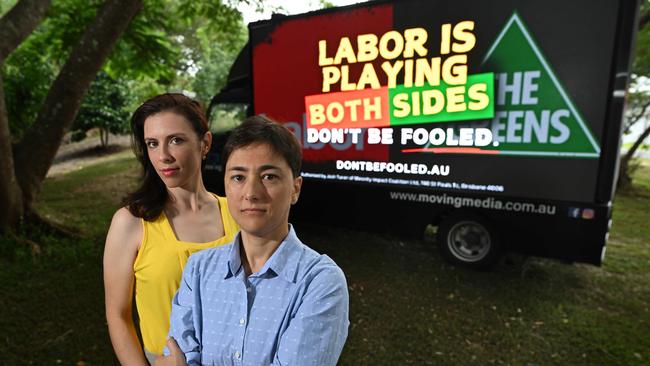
{"x": 53, "y": 306}
{"x": 643, "y": 146}
{"x": 407, "y": 306}
{"x": 85, "y": 198}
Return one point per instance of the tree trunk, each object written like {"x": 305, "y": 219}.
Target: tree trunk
{"x": 103, "y": 137}
{"x": 644, "y": 18}
{"x": 637, "y": 144}
{"x": 10, "y": 195}
{"x": 624, "y": 176}
{"x": 35, "y": 152}
{"x": 19, "y": 22}
{"x": 16, "y": 25}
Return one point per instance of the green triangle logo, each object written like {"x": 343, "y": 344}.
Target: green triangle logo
{"x": 534, "y": 115}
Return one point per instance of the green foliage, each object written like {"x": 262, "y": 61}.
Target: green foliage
{"x": 180, "y": 45}
{"x": 147, "y": 50}
{"x": 171, "y": 45}
{"x": 27, "y": 75}
{"x": 637, "y": 103}
{"x": 210, "y": 36}
{"x": 104, "y": 107}
{"x": 226, "y": 117}
{"x": 5, "y": 5}
{"x": 212, "y": 18}
{"x": 326, "y": 4}
{"x": 641, "y": 65}
{"x": 30, "y": 70}
{"x": 64, "y": 26}
{"x": 213, "y": 59}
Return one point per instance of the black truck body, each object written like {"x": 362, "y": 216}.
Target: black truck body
{"x": 499, "y": 122}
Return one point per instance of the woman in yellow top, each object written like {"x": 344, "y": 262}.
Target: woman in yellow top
{"x": 170, "y": 216}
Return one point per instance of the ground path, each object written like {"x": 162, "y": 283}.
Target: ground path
{"x": 76, "y": 155}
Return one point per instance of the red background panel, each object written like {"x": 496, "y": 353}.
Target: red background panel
{"x": 379, "y": 117}
{"x": 285, "y": 68}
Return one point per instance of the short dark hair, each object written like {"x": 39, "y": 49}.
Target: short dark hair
{"x": 260, "y": 129}
{"x": 149, "y": 199}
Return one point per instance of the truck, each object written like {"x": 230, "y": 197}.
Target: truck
{"x": 496, "y": 123}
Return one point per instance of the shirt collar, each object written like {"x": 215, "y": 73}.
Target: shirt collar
{"x": 234, "y": 259}
{"x": 283, "y": 262}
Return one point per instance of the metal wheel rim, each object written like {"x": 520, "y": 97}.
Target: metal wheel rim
{"x": 462, "y": 242}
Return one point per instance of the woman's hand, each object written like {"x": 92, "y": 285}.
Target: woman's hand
{"x": 175, "y": 358}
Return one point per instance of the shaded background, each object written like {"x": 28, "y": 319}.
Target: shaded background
{"x": 71, "y": 73}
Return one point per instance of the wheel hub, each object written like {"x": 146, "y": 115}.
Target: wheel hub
{"x": 469, "y": 241}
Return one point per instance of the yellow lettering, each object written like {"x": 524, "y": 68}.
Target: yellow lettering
{"x": 408, "y": 73}
{"x": 323, "y": 60}
{"x": 345, "y": 79}
{"x": 454, "y": 70}
{"x": 479, "y": 100}
{"x": 445, "y": 39}
{"x": 430, "y": 71}
{"x": 463, "y": 33}
{"x": 352, "y": 105}
{"x": 415, "y": 103}
{"x": 401, "y": 106}
{"x": 367, "y": 44}
{"x": 335, "y": 117}
{"x": 456, "y": 99}
{"x": 369, "y": 77}
{"x": 428, "y": 105}
{"x": 316, "y": 115}
{"x": 345, "y": 51}
{"x": 398, "y": 46}
{"x": 415, "y": 39}
{"x": 392, "y": 71}
{"x": 369, "y": 108}
{"x": 331, "y": 75}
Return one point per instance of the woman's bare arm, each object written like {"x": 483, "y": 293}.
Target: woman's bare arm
{"x": 122, "y": 245}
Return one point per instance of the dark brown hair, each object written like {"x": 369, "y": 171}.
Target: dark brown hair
{"x": 260, "y": 129}
{"x": 149, "y": 199}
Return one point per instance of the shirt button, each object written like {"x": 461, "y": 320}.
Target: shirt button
{"x": 237, "y": 355}
{"x": 249, "y": 289}
{"x": 242, "y": 321}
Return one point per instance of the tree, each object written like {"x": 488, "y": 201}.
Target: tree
{"x": 27, "y": 75}
{"x": 105, "y": 108}
{"x": 637, "y": 110}
{"x": 149, "y": 45}
{"x": 23, "y": 165}
{"x": 12, "y": 33}
{"x": 638, "y": 101}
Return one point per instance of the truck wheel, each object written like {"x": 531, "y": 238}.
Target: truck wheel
{"x": 468, "y": 240}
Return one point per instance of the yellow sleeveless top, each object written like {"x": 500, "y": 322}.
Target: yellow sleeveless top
{"x": 158, "y": 268}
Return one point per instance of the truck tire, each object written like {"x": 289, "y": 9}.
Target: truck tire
{"x": 469, "y": 240}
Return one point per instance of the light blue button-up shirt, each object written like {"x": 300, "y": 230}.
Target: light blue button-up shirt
{"x": 294, "y": 311}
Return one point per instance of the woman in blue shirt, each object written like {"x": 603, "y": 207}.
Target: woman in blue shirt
{"x": 266, "y": 298}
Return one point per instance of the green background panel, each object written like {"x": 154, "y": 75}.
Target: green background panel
{"x": 444, "y": 116}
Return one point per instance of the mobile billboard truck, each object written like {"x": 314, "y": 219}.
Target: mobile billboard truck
{"x": 498, "y": 122}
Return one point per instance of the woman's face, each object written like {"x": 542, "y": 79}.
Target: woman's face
{"x": 260, "y": 189}
{"x": 174, "y": 149}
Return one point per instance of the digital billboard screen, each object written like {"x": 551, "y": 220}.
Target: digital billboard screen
{"x": 502, "y": 97}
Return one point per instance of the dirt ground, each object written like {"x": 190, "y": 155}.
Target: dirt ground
{"x": 76, "y": 155}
